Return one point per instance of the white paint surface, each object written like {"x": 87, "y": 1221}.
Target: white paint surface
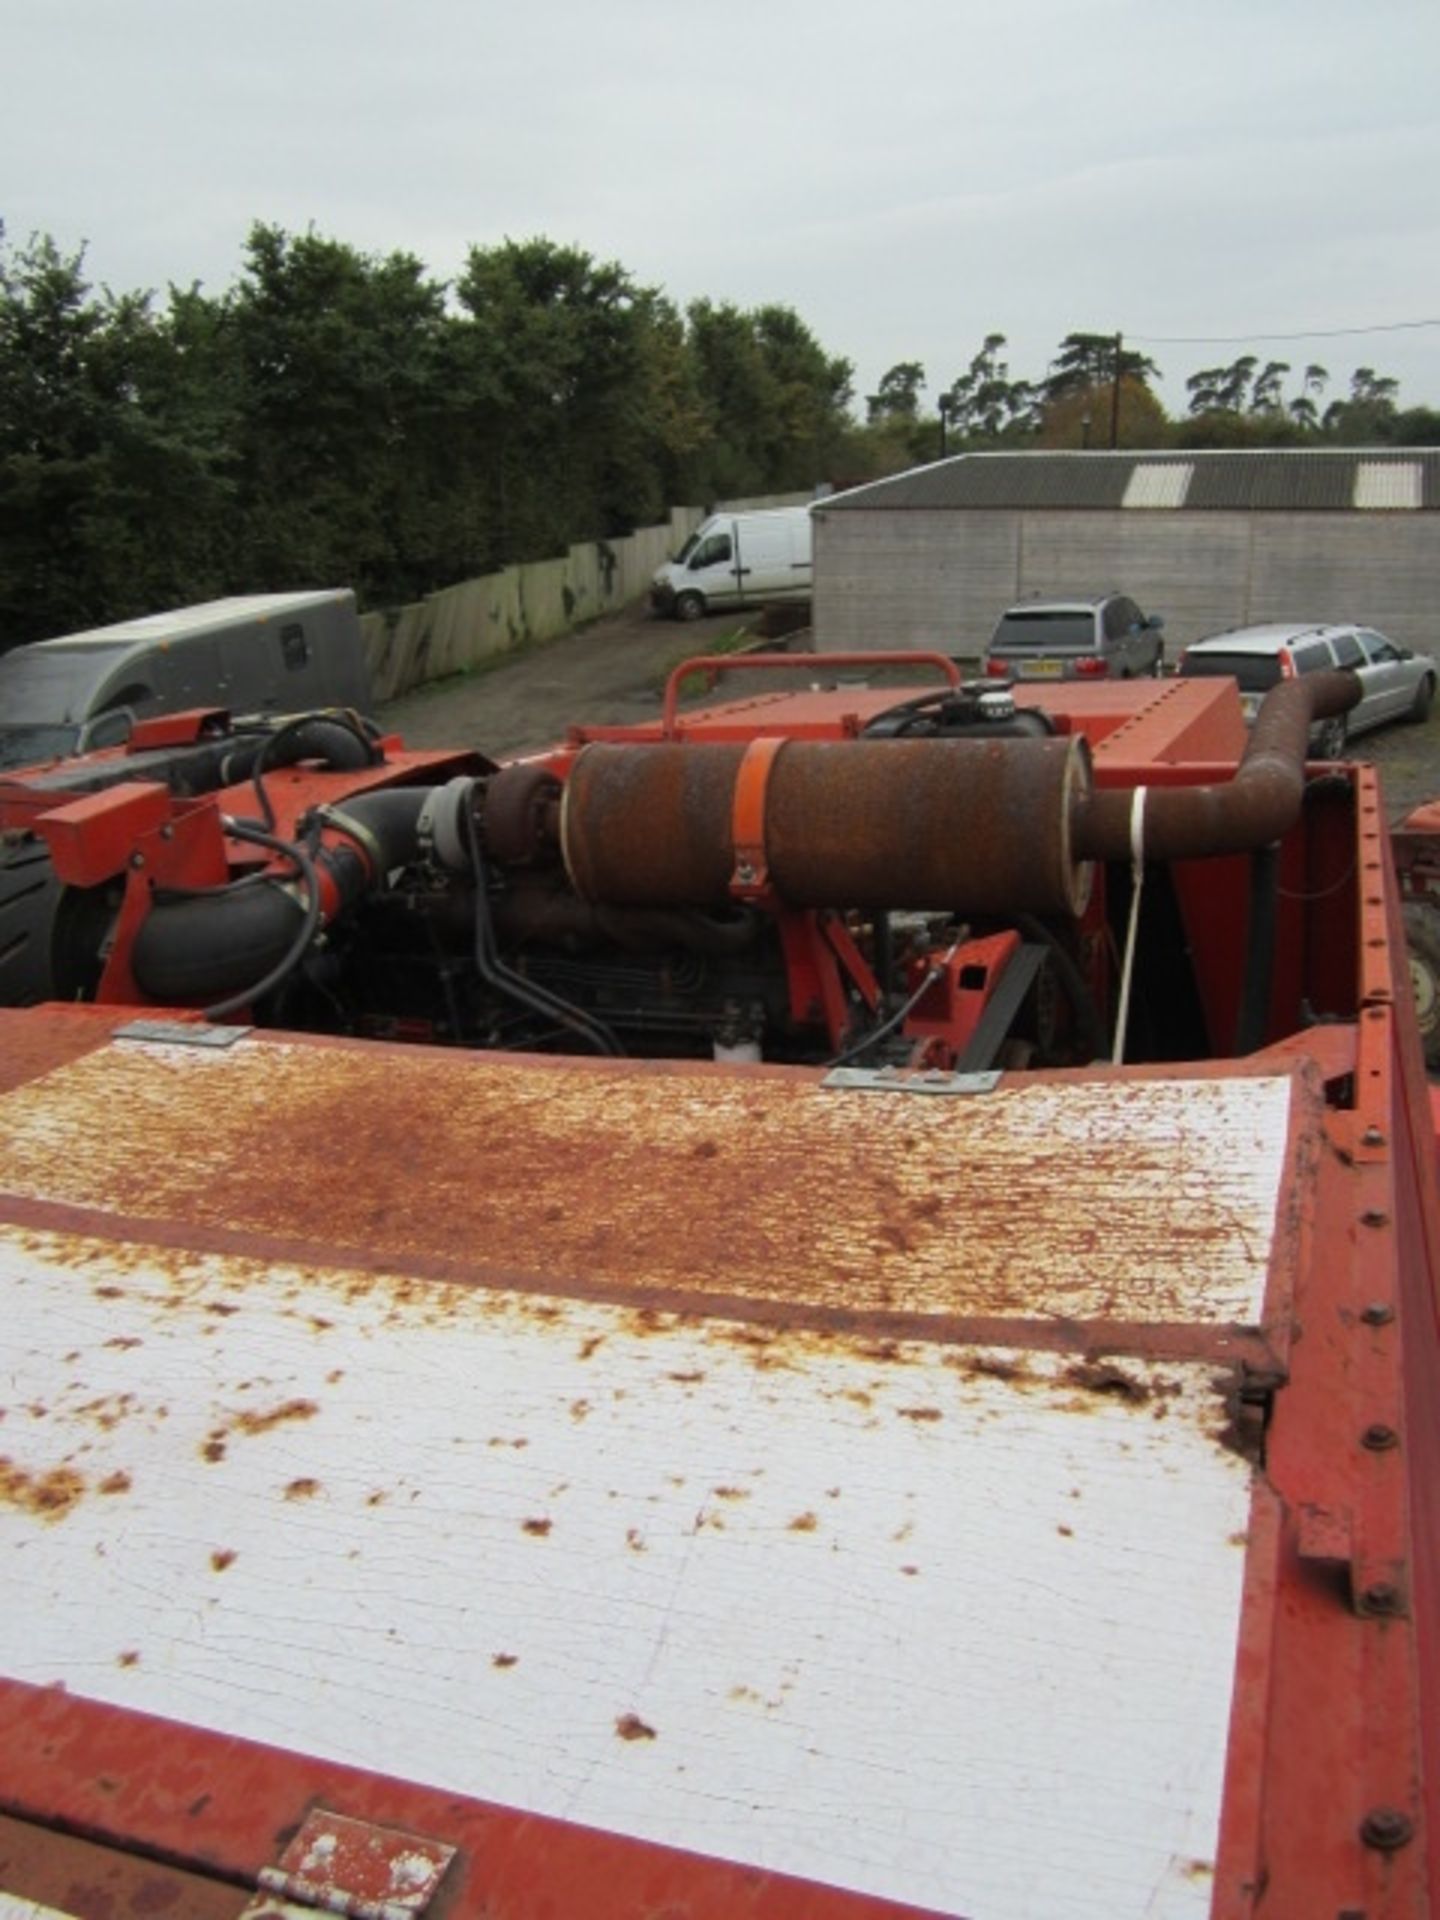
{"x": 895, "y": 1624}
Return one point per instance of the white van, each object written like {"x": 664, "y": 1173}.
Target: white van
{"x": 735, "y": 560}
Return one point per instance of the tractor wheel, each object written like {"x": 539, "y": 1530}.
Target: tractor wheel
{"x": 1422, "y": 937}
{"x": 689, "y": 606}
{"x": 1424, "y": 695}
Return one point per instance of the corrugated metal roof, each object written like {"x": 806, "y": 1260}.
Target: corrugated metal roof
{"x": 1328, "y": 480}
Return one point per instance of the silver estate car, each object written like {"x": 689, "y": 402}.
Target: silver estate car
{"x": 1398, "y": 684}
{"x": 1104, "y": 639}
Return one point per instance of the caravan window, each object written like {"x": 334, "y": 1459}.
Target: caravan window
{"x": 711, "y": 552}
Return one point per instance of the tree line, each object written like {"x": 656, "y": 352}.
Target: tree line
{"x": 337, "y": 418}
{"x": 1096, "y": 393}
{"x": 341, "y": 418}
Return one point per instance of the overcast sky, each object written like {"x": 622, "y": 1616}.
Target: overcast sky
{"x": 907, "y": 174}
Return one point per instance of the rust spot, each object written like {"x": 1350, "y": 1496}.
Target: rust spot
{"x": 745, "y": 1693}
{"x": 631, "y": 1727}
{"x": 504, "y": 1659}
{"x": 704, "y": 1150}
{"x": 910, "y": 1571}
{"x": 130, "y": 1658}
{"x": 335, "y": 1376}
{"x": 919, "y": 1413}
{"x": 116, "y": 1483}
{"x": 319, "y": 1323}
{"x": 123, "y": 1341}
{"x": 635, "y": 1540}
{"x": 1068, "y": 1532}
{"x": 49, "y": 1496}
{"x": 263, "y": 1422}
{"x": 302, "y": 1489}
{"x": 222, "y": 1558}
{"x": 579, "y": 1409}
{"x": 223, "y": 1307}
{"x": 589, "y": 1347}
{"x": 893, "y": 1238}
{"x": 537, "y": 1528}
{"x": 377, "y": 1499}
{"x": 691, "y": 1379}
{"x": 731, "y": 1493}
{"x": 213, "y": 1449}
{"x": 804, "y": 1523}
{"x": 1239, "y": 1539}
{"x": 109, "y": 1293}
{"x": 1199, "y": 1869}
{"x": 1101, "y": 1376}
{"x": 552, "y": 1213}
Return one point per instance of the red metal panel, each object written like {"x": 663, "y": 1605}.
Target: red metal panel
{"x": 92, "y": 839}
{"x": 232, "y": 1806}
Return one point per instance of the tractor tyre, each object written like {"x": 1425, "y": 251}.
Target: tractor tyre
{"x": 1422, "y": 938}
{"x": 29, "y": 899}
{"x": 51, "y": 935}
{"x": 689, "y": 606}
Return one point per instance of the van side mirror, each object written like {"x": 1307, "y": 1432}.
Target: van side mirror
{"x": 110, "y": 729}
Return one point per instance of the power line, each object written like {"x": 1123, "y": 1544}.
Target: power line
{"x": 1244, "y": 339}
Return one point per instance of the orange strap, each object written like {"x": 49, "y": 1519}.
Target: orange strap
{"x": 751, "y": 878}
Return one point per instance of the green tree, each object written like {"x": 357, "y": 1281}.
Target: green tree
{"x": 1087, "y": 360}
{"x": 898, "y": 395}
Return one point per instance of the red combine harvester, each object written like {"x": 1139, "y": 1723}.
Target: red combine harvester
{"x": 823, "y": 1308}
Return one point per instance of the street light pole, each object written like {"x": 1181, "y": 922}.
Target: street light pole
{"x": 1115, "y": 396}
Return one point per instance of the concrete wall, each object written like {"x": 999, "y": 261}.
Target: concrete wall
{"x": 938, "y": 578}
{"x": 454, "y": 630}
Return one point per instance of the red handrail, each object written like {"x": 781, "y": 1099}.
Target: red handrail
{"x": 714, "y": 664}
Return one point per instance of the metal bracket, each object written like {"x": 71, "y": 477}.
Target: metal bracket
{"x": 895, "y": 1080}
{"x": 180, "y": 1033}
{"x": 364, "y": 1872}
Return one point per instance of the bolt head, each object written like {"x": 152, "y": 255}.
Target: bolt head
{"x": 1379, "y": 1438}
{"x": 1372, "y": 1137}
{"x": 1379, "y": 1313}
{"x": 1386, "y": 1829}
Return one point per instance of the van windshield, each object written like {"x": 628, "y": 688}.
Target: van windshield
{"x": 689, "y": 547}
{"x": 27, "y": 746}
{"x": 1045, "y": 627}
{"x": 42, "y": 685}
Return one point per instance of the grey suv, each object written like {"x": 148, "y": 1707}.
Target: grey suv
{"x": 1105, "y": 639}
{"x": 1397, "y": 684}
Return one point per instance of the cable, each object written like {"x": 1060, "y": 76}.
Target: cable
{"x": 887, "y": 1027}
{"x": 305, "y": 866}
{"x": 1244, "y": 339}
{"x": 493, "y": 970}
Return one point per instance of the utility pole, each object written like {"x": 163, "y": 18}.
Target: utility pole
{"x": 1115, "y": 395}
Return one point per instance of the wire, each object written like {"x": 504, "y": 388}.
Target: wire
{"x": 1244, "y": 339}
{"x": 305, "y": 866}
{"x": 887, "y": 1027}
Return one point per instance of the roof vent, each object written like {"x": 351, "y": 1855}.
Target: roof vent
{"x": 1388, "y": 484}
{"x": 1159, "y": 483}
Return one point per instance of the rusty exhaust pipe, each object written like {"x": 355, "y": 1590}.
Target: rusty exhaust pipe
{"x": 1259, "y": 805}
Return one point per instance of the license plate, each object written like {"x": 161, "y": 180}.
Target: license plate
{"x": 1039, "y": 669}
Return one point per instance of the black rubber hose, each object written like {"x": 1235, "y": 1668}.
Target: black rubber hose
{"x": 514, "y": 986}
{"x": 238, "y": 943}
{"x": 1254, "y": 1015}
{"x": 334, "y": 738}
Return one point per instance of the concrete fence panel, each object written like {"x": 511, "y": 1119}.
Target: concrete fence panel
{"x": 459, "y": 627}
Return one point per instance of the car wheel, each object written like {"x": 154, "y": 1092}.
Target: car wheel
{"x": 1424, "y": 696}
{"x": 1422, "y": 938}
{"x": 1330, "y": 739}
{"x": 689, "y": 606}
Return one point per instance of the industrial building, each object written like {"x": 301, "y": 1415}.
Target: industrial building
{"x": 931, "y": 557}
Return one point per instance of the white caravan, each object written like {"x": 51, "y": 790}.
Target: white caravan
{"x": 735, "y": 560}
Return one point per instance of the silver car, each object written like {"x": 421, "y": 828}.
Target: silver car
{"x": 1398, "y": 684}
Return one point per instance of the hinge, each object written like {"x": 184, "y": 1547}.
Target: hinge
{"x": 350, "y": 1867}
{"x": 180, "y": 1033}
{"x": 893, "y": 1080}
